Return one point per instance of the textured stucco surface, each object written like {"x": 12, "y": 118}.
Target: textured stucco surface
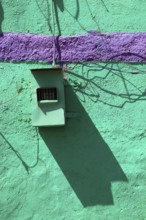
{"x": 90, "y": 47}
{"x": 94, "y": 167}
{"x": 74, "y": 17}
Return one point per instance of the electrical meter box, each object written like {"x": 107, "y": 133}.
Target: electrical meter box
{"x": 48, "y": 97}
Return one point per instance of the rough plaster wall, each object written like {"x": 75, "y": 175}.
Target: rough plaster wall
{"x": 94, "y": 167}
{"x": 75, "y": 17}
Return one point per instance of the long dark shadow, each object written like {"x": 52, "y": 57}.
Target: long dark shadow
{"x": 59, "y": 4}
{"x": 77, "y": 9}
{"x": 61, "y": 7}
{"x": 83, "y": 156}
{"x": 1, "y": 17}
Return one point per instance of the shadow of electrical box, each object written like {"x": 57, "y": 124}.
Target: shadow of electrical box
{"x": 48, "y": 97}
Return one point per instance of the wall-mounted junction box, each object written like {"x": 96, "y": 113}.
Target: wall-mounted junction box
{"x": 48, "y": 97}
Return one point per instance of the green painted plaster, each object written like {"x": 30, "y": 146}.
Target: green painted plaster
{"x": 94, "y": 167}
{"x": 75, "y": 16}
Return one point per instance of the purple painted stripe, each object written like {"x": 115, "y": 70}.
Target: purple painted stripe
{"x": 89, "y": 47}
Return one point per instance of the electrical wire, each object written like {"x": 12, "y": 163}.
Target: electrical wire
{"x": 53, "y": 31}
{"x": 10, "y": 99}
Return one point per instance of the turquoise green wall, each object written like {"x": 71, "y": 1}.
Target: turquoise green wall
{"x": 106, "y": 16}
{"x": 94, "y": 167}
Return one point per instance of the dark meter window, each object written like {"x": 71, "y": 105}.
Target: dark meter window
{"x": 46, "y": 94}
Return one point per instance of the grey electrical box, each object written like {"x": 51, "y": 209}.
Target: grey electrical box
{"x": 48, "y": 97}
